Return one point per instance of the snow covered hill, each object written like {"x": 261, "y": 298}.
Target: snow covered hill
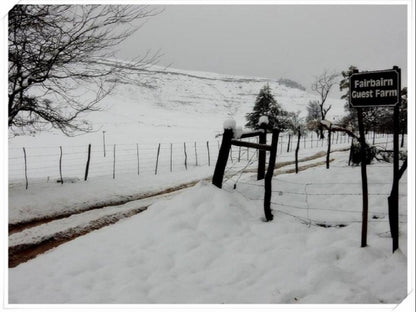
{"x": 157, "y": 105}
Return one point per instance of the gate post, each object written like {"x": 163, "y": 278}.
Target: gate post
{"x": 269, "y": 175}
{"x": 224, "y": 152}
{"x": 262, "y": 154}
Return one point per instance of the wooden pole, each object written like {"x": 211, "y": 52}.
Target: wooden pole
{"x": 104, "y": 142}
{"x": 393, "y": 199}
{"x": 209, "y": 158}
{"x": 363, "y": 178}
{"x": 60, "y": 165}
{"x": 138, "y": 159}
{"x": 297, "y": 152}
{"x": 196, "y": 155}
{"x": 87, "y": 167}
{"x": 27, "y": 182}
{"x": 269, "y": 175}
{"x": 157, "y": 158}
{"x": 262, "y": 155}
{"x": 170, "y": 157}
{"x": 350, "y": 157}
{"x": 224, "y": 151}
{"x": 328, "y": 153}
{"x": 114, "y": 161}
{"x": 186, "y": 156}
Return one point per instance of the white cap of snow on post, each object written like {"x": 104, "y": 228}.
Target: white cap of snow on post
{"x": 229, "y": 124}
{"x": 263, "y": 120}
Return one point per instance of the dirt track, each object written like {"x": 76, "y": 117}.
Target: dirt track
{"x": 22, "y": 253}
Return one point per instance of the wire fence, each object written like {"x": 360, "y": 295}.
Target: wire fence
{"x": 112, "y": 160}
{"x": 312, "y": 204}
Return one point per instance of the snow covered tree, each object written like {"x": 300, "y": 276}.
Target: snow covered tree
{"x": 53, "y": 53}
{"x": 322, "y": 85}
{"x": 314, "y": 116}
{"x": 266, "y": 105}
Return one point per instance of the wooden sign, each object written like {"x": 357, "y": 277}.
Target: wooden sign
{"x": 375, "y": 88}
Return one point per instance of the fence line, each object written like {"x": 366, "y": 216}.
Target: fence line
{"x": 139, "y": 158}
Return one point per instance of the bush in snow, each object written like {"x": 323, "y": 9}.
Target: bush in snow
{"x": 370, "y": 154}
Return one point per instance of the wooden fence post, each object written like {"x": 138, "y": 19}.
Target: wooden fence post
{"x": 269, "y": 175}
{"x": 363, "y": 178}
{"x": 27, "y": 182}
{"x": 224, "y": 151}
{"x": 170, "y": 157}
{"x": 138, "y": 159}
{"x": 157, "y": 158}
{"x": 186, "y": 156}
{"x": 297, "y": 151}
{"x": 350, "y": 157}
{"x": 262, "y": 155}
{"x": 87, "y": 167}
{"x": 328, "y": 153}
{"x": 60, "y": 165}
{"x": 288, "y": 143}
{"x": 209, "y": 158}
{"x": 114, "y": 162}
{"x": 196, "y": 155}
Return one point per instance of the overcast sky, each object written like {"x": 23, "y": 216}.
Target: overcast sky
{"x": 276, "y": 41}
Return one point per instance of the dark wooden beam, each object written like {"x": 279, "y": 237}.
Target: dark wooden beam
{"x": 263, "y": 147}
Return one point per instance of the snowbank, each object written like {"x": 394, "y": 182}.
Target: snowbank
{"x": 208, "y": 245}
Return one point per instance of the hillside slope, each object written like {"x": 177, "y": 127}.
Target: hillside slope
{"x": 151, "y": 106}
{"x": 167, "y": 103}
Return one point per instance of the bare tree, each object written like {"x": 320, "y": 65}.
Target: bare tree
{"x": 54, "y": 53}
{"x": 322, "y": 85}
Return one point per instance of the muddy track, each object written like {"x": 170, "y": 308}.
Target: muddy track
{"x": 18, "y": 227}
{"x": 22, "y": 253}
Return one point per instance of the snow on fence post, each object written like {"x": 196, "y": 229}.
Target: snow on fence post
{"x": 186, "y": 156}
{"x": 24, "y": 154}
{"x": 157, "y": 158}
{"x": 209, "y": 158}
{"x": 138, "y": 163}
{"x": 114, "y": 161}
{"x": 196, "y": 155}
{"x": 87, "y": 167}
{"x": 224, "y": 152}
{"x": 60, "y": 165}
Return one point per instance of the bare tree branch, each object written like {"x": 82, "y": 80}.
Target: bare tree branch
{"x": 55, "y": 50}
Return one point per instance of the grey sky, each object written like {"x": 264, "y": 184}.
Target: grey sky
{"x": 274, "y": 41}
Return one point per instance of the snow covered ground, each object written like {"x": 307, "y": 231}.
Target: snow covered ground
{"x": 199, "y": 245}
{"x": 207, "y": 245}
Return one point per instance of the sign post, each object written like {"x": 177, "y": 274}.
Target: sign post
{"x": 378, "y": 89}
